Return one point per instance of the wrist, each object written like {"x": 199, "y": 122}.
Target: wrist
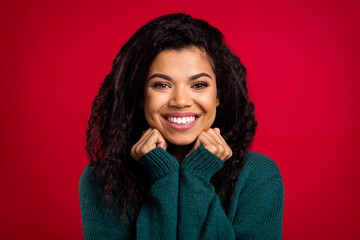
{"x": 202, "y": 163}
{"x": 158, "y": 163}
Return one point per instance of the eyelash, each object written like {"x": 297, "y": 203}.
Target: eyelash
{"x": 196, "y": 85}
{"x": 161, "y": 85}
{"x": 203, "y": 85}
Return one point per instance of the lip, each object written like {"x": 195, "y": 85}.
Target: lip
{"x": 181, "y": 114}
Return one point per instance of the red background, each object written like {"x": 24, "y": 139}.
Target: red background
{"x": 303, "y": 62}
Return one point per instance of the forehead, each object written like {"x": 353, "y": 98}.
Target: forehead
{"x": 191, "y": 58}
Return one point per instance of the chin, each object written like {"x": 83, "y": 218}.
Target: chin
{"x": 181, "y": 141}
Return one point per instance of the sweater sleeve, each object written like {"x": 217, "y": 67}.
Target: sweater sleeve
{"x": 201, "y": 215}
{"x": 255, "y": 211}
{"x": 157, "y": 218}
{"x": 158, "y": 215}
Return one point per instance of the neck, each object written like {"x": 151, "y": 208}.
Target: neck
{"x": 179, "y": 151}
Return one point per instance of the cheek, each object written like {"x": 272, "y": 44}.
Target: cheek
{"x": 208, "y": 103}
{"x": 152, "y": 105}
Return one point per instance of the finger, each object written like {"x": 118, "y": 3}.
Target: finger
{"x": 135, "y": 150}
{"x": 215, "y": 133}
{"x": 160, "y": 141}
{"x": 153, "y": 140}
{"x": 228, "y": 151}
{"x": 162, "y": 145}
{"x": 225, "y": 151}
{"x": 219, "y": 141}
{"x": 229, "y": 154}
{"x": 144, "y": 137}
{"x": 148, "y": 143}
{"x": 209, "y": 143}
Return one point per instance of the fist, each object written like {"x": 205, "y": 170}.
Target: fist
{"x": 214, "y": 143}
{"x": 150, "y": 139}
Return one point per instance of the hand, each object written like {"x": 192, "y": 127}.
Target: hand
{"x": 214, "y": 143}
{"x": 150, "y": 139}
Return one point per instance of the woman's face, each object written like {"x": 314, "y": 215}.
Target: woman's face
{"x": 180, "y": 96}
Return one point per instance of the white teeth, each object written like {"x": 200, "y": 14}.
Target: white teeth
{"x": 181, "y": 120}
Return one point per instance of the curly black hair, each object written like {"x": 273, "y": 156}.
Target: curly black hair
{"x": 117, "y": 121}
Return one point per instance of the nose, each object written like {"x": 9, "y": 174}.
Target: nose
{"x": 180, "y": 98}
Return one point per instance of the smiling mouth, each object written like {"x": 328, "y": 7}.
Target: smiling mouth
{"x": 181, "y": 120}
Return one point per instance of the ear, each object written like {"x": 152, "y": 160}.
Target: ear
{"x": 218, "y": 100}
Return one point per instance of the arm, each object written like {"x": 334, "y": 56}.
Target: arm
{"x": 201, "y": 215}
{"x": 97, "y": 222}
{"x": 257, "y": 206}
{"x": 158, "y": 214}
{"x": 255, "y": 211}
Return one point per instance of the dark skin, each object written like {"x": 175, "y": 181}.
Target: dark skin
{"x": 210, "y": 139}
{"x": 180, "y": 100}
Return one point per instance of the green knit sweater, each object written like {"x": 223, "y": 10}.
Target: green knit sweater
{"x": 182, "y": 204}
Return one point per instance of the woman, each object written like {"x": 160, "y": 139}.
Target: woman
{"x": 167, "y": 141}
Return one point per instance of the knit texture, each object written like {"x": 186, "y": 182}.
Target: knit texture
{"x": 182, "y": 204}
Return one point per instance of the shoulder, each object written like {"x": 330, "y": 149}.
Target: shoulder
{"x": 260, "y": 164}
{"x": 258, "y": 172}
{"x": 87, "y": 176}
{"x": 257, "y": 204}
{"x": 98, "y": 220}
{"x": 88, "y": 184}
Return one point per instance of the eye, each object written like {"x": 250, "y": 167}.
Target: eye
{"x": 161, "y": 85}
{"x": 200, "y": 85}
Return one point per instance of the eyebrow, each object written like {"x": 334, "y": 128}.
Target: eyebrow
{"x": 166, "y": 77}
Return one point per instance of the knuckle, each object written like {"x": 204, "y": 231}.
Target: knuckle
{"x": 220, "y": 149}
{"x": 211, "y": 131}
{"x": 142, "y": 151}
{"x": 155, "y": 131}
{"x": 213, "y": 149}
{"x": 137, "y": 149}
{"x": 201, "y": 137}
{"x": 133, "y": 153}
{"x": 227, "y": 151}
{"x": 133, "y": 149}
